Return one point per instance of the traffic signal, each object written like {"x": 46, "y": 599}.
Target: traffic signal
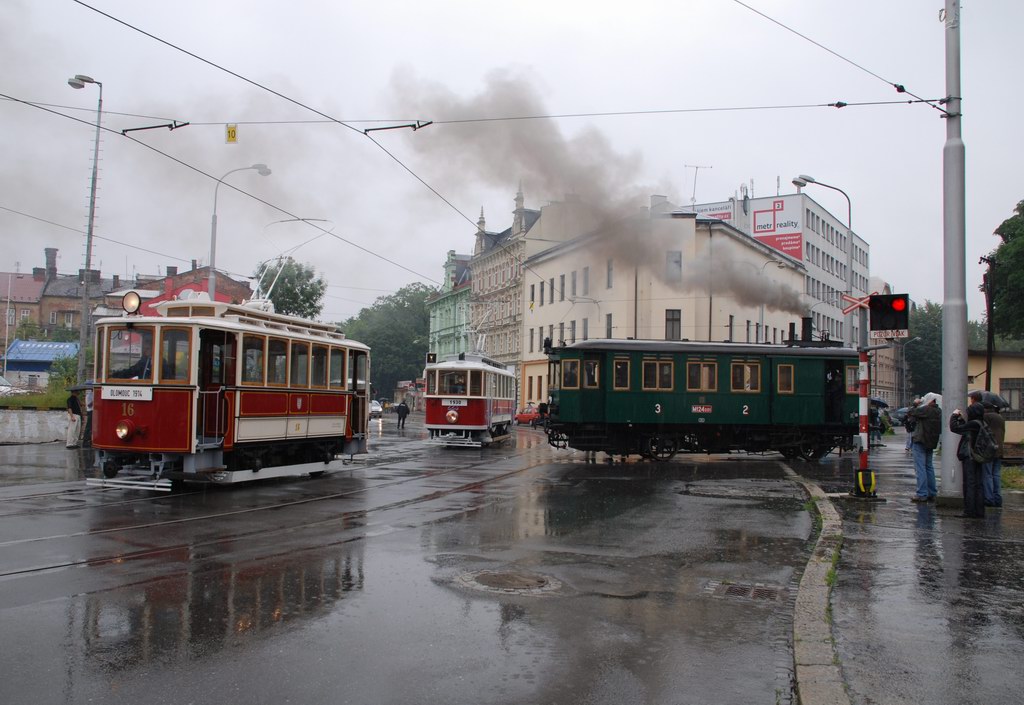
{"x": 890, "y": 311}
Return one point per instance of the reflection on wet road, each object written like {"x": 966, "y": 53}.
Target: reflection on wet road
{"x": 517, "y": 574}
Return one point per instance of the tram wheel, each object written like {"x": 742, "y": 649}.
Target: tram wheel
{"x": 662, "y": 449}
{"x": 109, "y": 471}
{"x": 789, "y": 452}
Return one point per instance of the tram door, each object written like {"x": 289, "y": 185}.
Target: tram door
{"x": 216, "y": 373}
{"x": 359, "y": 383}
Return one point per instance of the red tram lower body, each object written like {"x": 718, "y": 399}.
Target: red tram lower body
{"x": 472, "y": 422}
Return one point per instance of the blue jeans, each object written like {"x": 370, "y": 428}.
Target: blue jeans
{"x": 924, "y": 470}
{"x": 991, "y": 479}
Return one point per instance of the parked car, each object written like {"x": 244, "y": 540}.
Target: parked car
{"x": 376, "y": 410}
{"x": 899, "y": 415}
{"x": 529, "y": 415}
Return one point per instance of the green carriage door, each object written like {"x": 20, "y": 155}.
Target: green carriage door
{"x": 591, "y": 390}
{"x": 797, "y": 390}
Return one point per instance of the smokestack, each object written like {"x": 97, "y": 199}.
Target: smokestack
{"x": 51, "y": 262}
{"x": 807, "y": 329}
{"x": 117, "y": 282}
{"x": 792, "y": 332}
{"x": 172, "y": 271}
{"x": 193, "y": 265}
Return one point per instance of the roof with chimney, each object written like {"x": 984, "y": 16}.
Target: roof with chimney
{"x": 23, "y": 288}
{"x": 69, "y": 286}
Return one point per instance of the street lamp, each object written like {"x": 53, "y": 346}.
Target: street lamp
{"x": 78, "y": 81}
{"x": 801, "y": 181}
{"x": 212, "y": 288}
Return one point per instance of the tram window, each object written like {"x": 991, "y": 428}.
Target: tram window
{"x": 620, "y": 375}
{"x": 785, "y": 376}
{"x": 450, "y": 382}
{"x": 657, "y": 375}
{"x": 431, "y": 382}
{"x": 746, "y": 377}
{"x": 554, "y": 377}
{"x": 277, "y": 361}
{"x": 852, "y": 380}
{"x": 701, "y": 376}
{"x": 300, "y": 365}
{"x": 174, "y": 355}
{"x": 253, "y": 352}
{"x": 590, "y": 374}
{"x": 130, "y": 353}
{"x": 337, "y": 368}
{"x": 318, "y": 370}
{"x": 476, "y": 383}
{"x": 361, "y": 370}
{"x": 570, "y": 374}
{"x": 101, "y": 349}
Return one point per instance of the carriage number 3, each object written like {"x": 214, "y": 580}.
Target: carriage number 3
{"x": 657, "y": 408}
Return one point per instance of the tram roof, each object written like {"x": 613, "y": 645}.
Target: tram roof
{"x": 686, "y": 346}
{"x": 469, "y": 360}
{"x": 250, "y": 316}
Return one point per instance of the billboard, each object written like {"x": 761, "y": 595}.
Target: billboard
{"x": 777, "y": 223}
{"x": 720, "y": 211}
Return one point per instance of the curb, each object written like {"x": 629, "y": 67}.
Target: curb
{"x": 818, "y": 674}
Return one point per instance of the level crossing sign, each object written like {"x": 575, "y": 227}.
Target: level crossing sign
{"x": 857, "y": 302}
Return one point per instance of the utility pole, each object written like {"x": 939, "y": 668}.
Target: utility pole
{"x": 696, "y": 168}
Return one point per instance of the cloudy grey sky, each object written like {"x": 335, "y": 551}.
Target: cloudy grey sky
{"x": 456, "y": 60}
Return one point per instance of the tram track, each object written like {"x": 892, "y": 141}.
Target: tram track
{"x": 73, "y": 495}
{"x": 123, "y": 557}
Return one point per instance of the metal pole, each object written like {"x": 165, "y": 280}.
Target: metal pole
{"x": 212, "y": 286}
{"x": 7, "y": 321}
{"x": 83, "y": 337}
{"x": 954, "y": 305}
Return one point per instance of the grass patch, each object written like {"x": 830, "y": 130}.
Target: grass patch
{"x": 56, "y": 399}
{"x": 1013, "y": 478}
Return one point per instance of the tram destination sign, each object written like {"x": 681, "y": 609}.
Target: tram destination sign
{"x": 127, "y": 393}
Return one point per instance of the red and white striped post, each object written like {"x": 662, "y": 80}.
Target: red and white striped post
{"x": 864, "y": 484}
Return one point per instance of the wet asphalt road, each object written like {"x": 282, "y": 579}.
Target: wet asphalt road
{"x": 518, "y": 574}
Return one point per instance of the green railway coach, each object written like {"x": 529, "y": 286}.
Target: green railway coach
{"x": 657, "y": 398}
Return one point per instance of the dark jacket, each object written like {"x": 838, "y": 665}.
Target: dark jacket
{"x": 74, "y": 406}
{"x": 402, "y": 410}
{"x": 997, "y": 424}
{"x": 928, "y": 425}
{"x": 967, "y": 428}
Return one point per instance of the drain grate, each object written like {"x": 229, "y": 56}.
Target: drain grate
{"x": 744, "y": 591}
{"x": 510, "y": 582}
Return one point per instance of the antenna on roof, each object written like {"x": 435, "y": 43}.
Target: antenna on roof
{"x": 696, "y": 168}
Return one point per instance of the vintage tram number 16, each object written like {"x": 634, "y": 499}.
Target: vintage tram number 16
{"x": 127, "y": 409}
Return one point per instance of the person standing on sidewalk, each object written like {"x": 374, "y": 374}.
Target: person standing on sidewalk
{"x": 927, "y": 420}
{"x": 967, "y": 427}
{"x": 991, "y": 472}
{"x": 74, "y": 408}
{"x": 402, "y": 410}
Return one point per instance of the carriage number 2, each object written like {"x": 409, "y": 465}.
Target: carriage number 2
{"x": 746, "y": 410}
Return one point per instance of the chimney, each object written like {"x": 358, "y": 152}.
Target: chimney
{"x": 807, "y": 328}
{"x": 792, "y": 332}
{"x": 51, "y": 262}
{"x": 193, "y": 265}
{"x": 172, "y": 271}
{"x": 117, "y": 282}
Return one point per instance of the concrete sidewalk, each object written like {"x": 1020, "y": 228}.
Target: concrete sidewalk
{"x": 926, "y": 606}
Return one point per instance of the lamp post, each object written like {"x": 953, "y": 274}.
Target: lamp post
{"x": 78, "y": 81}
{"x": 212, "y": 288}
{"x": 801, "y": 181}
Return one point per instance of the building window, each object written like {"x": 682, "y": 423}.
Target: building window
{"x": 25, "y": 313}
{"x": 561, "y": 333}
{"x": 673, "y": 324}
{"x": 532, "y": 287}
{"x": 53, "y": 318}
{"x": 572, "y": 331}
{"x": 531, "y": 340}
{"x": 586, "y": 328}
{"x": 674, "y": 266}
{"x": 608, "y": 283}
{"x": 608, "y": 325}
{"x": 69, "y": 319}
{"x": 572, "y": 285}
{"x": 1012, "y": 390}
{"x": 551, "y": 295}
{"x": 542, "y": 293}
{"x": 10, "y": 316}
{"x": 561, "y": 287}
{"x": 586, "y": 280}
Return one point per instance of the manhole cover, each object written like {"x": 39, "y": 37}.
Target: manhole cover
{"x": 510, "y": 582}
{"x": 744, "y": 591}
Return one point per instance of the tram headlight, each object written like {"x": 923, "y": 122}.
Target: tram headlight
{"x": 124, "y": 430}
{"x": 452, "y": 416}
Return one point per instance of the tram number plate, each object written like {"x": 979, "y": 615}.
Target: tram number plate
{"x": 455, "y": 402}
{"x": 127, "y": 393}
{"x": 701, "y": 408}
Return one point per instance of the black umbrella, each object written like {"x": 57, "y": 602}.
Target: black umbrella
{"x": 994, "y": 400}
{"x": 877, "y": 401}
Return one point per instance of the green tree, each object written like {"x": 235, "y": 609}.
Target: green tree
{"x": 63, "y": 373}
{"x": 924, "y": 358}
{"x": 295, "y": 289}
{"x": 28, "y": 330}
{"x": 396, "y": 328}
{"x": 63, "y": 334}
{"x": 1006, "y": 276}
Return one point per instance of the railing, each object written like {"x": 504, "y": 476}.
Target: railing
{"x": 210, "y": 422}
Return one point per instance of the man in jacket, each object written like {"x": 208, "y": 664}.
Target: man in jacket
{"x": 991, "y": 472}
{"x": 927, "y": 420}
{"x": 967, "y": 425}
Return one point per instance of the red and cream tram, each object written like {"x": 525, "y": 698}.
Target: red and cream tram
{"x": 218, "y": 392}
{"x": 470, "y": 400}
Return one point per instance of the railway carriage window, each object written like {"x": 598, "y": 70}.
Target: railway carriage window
{"x": 277, "y": 361}
{"x": 337, "y": 368}
{"x": 300, "y": 365}
{"x": 318, "y": 371}
{"x": 450, "y": 382}
{"x": 174, "y": 355}
{"x": 657, "y": 374}
{"x": 431, "y": 382}
{"x": 554, "y": 377}
{"x": 130, "y": 353}
{"x": 360, "y": 364}
{"x": 570, "y": 374}
{"x": 746, "y": 377}
{"x": 620, "y": 375}
{"x": 702, "y": 376}
{"x": 852, "y": 380}
{"x": 476, "y": 383}
{"x": 590, "y": 374}
{"x": 253, "y": 352}
{"x": 786, "y": 382}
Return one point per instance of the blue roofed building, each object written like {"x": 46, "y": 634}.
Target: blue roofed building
{"x": 28, "y": 362}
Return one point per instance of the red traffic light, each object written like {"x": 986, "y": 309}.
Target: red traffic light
{"x": 899, "y": 304}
